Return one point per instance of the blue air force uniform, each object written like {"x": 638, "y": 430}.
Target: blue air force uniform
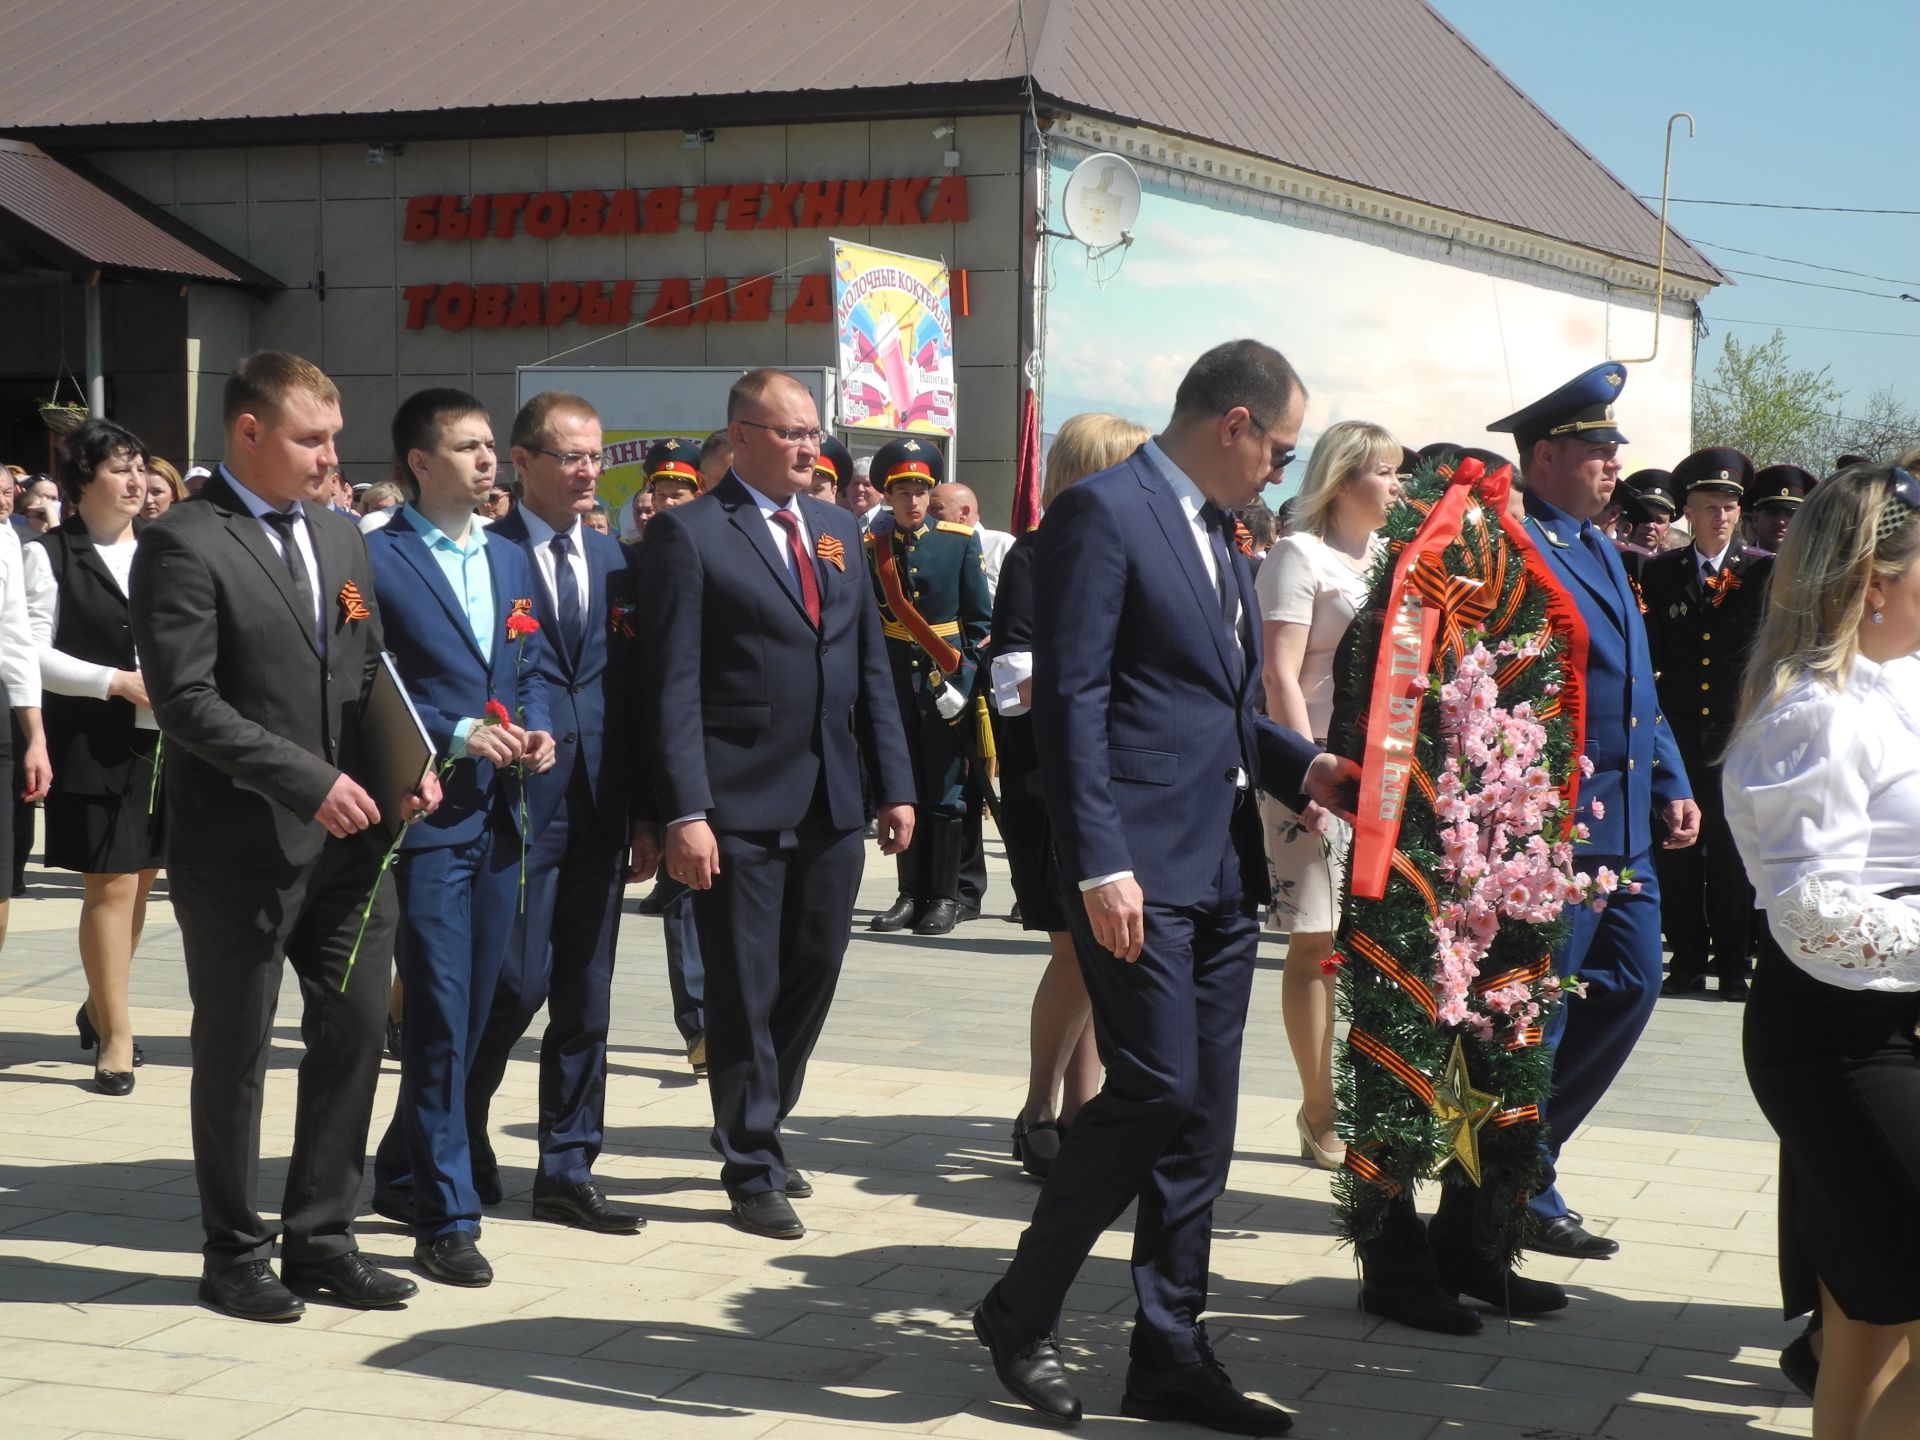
{"x": 1637, "y": 770}
{"x": 940, "y": 573}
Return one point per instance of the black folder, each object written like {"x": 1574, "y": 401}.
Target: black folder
{"x": 394, "y": 751}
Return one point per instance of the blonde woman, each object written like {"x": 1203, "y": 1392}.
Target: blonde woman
{"x": 1822, "y": 786}
{"x": 1309, "y": 587}
{"x": 1064, "y": 1071}
{"x": 165, "y": 489}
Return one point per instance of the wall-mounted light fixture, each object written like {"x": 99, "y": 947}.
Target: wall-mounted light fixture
{"x": 694, "y": 139}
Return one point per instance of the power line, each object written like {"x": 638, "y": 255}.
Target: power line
{"x": 1817, "y": 284}
{"x": 1808, "y": 264}
{"x": 1769, "y": 205}
{"x": 1830, "y": 329}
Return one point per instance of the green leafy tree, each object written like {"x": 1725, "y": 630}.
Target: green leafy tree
{"x": 1759, "y": 403}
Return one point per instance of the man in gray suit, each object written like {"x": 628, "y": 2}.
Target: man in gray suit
{"x": 259, "y": 635}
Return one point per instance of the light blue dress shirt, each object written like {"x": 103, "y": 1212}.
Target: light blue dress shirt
{"x": 471, "y": 579}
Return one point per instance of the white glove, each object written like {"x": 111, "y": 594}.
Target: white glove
{"x": 948, "y": 701}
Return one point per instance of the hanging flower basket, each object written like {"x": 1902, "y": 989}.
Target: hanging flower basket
{"x": 63, "y": 419}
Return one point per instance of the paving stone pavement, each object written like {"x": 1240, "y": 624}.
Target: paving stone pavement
{"x": 694, "y": 1329}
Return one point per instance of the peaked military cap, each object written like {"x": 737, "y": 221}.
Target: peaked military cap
{"x": 1780, "y": 487}
{"x": 908, "y": 458}
{"x": 1718, "y": 467}
{"x": 1653, "y": 490}
{"x": 672, "y": 459}
{"x": 834, "y": 459}
{"x": 1582, "y": 407}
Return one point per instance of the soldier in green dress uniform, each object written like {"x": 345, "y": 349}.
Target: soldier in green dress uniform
{"x": 935, "y": 610}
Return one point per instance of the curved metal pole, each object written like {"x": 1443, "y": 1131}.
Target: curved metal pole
{"x": 1660, "y": 281}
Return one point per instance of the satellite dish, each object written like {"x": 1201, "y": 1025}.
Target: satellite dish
{"x": 1102, "y": 202}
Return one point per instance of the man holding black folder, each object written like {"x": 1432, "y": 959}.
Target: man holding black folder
{"x": 259, "y": 636}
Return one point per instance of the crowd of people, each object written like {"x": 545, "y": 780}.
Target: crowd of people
{"x": 774, "y": 653}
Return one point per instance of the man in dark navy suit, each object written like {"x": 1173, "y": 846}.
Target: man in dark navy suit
{"x": 1150, "y": 744}
{"x": 1569, "y": 454}
{"x": 561, "y": 951}
{"x": 448, "y": 597}
{"x": 767, "y": 687}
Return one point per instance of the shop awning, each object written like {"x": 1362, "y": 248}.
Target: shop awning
{"x": 83, "y": 223}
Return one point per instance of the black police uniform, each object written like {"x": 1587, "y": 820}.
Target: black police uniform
{"x": 1780, "y": 488}
{"x": 1700, "y": 631}
{"x": 941, "y": 575}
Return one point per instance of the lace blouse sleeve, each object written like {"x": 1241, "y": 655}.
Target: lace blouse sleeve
{"x": 1797, "y": 786}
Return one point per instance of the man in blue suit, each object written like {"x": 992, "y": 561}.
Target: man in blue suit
{"x": 561, "y": 952}
{"x": 449, "y": 599}
{"x": 1569, "y": 456}
{"x": 767, "y": 687}
{"x": 1150, "y": 744}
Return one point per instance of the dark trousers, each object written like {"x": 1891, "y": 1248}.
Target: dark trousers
{"x": 1706, "y": 903}
{"x": 773, "y": 931}
{"x": 23, "y": 811}
{"x": 560, "y": 955}
{"x": 236, "y": 926}
{"x": 1617, "y": 954}
{"x": 686, "y": 974}
{"x": 973, "y": 850}
{"x": 457, "y": 906}
{"x": 1161, "y": 1129}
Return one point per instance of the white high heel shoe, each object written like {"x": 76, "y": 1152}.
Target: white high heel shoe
{"x": 1310, "y": 1147}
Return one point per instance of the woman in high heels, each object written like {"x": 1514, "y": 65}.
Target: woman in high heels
{"x": 1310, "y": 586}
{"x": 103, "y": 814}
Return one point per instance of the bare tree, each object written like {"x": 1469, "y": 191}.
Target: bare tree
{"x": 1881, "y": 427}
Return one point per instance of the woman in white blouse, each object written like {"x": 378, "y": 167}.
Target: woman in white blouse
{"x": 103, "y": 816}
{"x": 1822, "y": 785}
{"x": 1310, "y": 586}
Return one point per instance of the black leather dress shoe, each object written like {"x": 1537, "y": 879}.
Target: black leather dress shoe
{"x": 654, "y": 902}
{"x": 1735, "y": 989}
{"x": 250, "y": 1291}
{"x": 113, "y": 1082}
{"x": 1199, "y": 1394}
{"x": 969, "y": 912}
{"x": 392, "y": 1045}
{"x": 1565, "y": 1236}
{"x": 1419, "y": 1307}
{"x": 768, "y": 1214}
{"x": 1799, "y": 1364}
{"x": 1030, "y": 1368}
{"x": 455, "y": 1259}
{"x": 898, "y": 916}
{"x": 938, "y": 918}
{"x": 351, "y": 1279}
{"x": 1464, "y": 1271}
{"x": 798, "y": 1186}
{"x": 1680, "y": 984}
{"x": 585, "y": 1208}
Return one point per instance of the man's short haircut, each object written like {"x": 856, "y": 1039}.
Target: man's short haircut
{"x": 418, "y": 422}
{"x": 752, "y": 388}
{"x": 261, "y": 383}
{"x": 532, "y": 427}
{"x": 718, "y": 437}
{"x": 1240, "y": 372}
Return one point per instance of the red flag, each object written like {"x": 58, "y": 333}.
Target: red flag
{"x": 1026, "y": 473}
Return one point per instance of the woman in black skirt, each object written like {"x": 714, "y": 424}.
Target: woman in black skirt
{"x": 1822, "y": 785}
{"x": 1064, "y": 1068}
{"x": 103, "y": 814}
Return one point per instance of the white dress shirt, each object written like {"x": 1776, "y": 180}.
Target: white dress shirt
{"x": 1700, "y": 562}
{"x": 302, "y": 536}
{"x": 994, "y": 545}
{"x": 774, "y": 528}
{"x": 1823, "y": 796}
{"x": 540, "y": 535}
{"x": 19, "y": 658}
{"x": 60, "y": 672}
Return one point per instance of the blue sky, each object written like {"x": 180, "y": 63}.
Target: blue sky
{"x": 1796, "y": 103}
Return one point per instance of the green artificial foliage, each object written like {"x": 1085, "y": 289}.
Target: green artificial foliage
{"x": 1380, "y": 1117}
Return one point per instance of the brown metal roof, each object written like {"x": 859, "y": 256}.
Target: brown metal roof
{"x": 83, "y": 223}
{"x": 1379, "y": 93}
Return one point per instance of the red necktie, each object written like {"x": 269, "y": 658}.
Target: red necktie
{"x": 802, "y": 565}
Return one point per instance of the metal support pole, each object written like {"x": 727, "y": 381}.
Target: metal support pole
{"x": 96, "y": 356}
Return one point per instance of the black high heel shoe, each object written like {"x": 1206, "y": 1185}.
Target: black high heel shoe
{"x": 89, "y": 1037}
{"x": 1033, "y": 1161}
{"x": 113, "y": 1082}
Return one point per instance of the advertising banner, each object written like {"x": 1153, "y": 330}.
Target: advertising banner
{"x": 893, "y": 318}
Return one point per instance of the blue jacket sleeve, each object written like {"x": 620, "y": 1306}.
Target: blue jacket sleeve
{"x": 1080, "y": 566}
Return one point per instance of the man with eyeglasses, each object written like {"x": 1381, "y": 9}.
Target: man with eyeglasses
{"x": 767, "y": 690}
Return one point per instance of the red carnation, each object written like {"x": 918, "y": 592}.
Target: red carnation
{"x": 522, "y": 624}
{"x": 1330, "y": 964}
{"x": 497, "y": 713}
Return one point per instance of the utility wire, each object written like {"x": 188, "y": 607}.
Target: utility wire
{"x": 1768, "y": 205}
{"x": 1830, "y": 329}
{"x": 1818, "y": 285}
{"x": 1808, "y": 264}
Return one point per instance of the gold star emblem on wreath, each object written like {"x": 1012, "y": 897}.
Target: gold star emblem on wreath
{"x": 1462, "y": 1111}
